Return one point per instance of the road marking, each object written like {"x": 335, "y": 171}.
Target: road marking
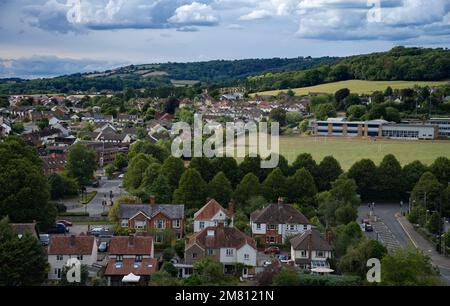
{"x": 407, "y": 233}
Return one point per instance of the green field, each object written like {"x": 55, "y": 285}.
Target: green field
{"x": 348, "y": 151}
{"x": 356, "y": 86}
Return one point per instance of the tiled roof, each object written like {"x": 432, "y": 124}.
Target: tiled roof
{"x": 172, "y": 211}
{"x": 224, "y": 237}
{"x": 300, "y": 242}
{"x": 128, "y": 265}
{"x": 22, "y": 228}
{"x": 71, "y": 245}
{"x": 133, "y": 245}
{"x": 209, "y": 210}
{"x": 279, "y": 214}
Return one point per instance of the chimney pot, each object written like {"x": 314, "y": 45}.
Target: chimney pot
{"x": 152, "y": 200}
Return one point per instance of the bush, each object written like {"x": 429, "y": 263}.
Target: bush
{"x": 123, "y": 231}
{"x": 74, "y": 214}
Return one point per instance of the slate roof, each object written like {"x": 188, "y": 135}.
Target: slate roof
{"x": 224, "y": 237}
{"x": 128, "y": 265}
{"x": 172, "y": 211}
{"x": 300, "y": 242}
{"x": 279, "y": 214}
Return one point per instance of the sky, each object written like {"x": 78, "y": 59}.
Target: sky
{"x": 43, "y": 38}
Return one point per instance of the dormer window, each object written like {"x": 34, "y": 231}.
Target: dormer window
{"x": 119, "y": 258}
{"x": 210, "y": 233}
{"x": 138, "y": 258}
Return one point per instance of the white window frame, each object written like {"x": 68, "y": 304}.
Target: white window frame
{"x": 176, "y": 223}
{"x": 229, "y": 252}
{"x": 246, "y": 256}
{"x": 139, "y": 224}
{"x": 160, "y": 224}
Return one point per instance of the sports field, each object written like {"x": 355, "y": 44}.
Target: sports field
{"x": 357, "y": 86}
{"x": 348, "y": 151}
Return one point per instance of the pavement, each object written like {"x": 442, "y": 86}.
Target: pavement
{"x": 95, "y": 207}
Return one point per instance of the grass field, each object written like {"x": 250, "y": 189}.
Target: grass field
{"x": 348, "y": 151}
{"x": 356, "y": 86}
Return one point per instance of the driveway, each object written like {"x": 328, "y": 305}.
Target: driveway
{"x": 95, "y": 207}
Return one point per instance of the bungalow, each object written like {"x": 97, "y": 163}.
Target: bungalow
{"x": 310, "y": 250}
{"x": 158, "y": 217}
{"x": 63, "y": 248}
{"x": 130, "y": 260}
{"x": 228, "y": 245}
{"x": 211, "y": 214}
{"x": 276, "y": 222}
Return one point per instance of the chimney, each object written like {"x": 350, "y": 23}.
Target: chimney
{"x": 310, "y": 246}
{"x": 231, "y": 207}
{"x": 328, "y": 236}
{"x": 280, "y": 201}
{"x": 152, "y": 200}
{"x": 72, "y": 240}
{"x": 130, "y": 240}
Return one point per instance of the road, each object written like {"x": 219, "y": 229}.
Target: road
{"x": 395, "y": 230}
{"x": 95, "y": 207}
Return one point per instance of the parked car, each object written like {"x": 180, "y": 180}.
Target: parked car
{"x": 65, "y": 222}
{"x": 267, "y": 263}
{"x": 44, "y": 239}
{"x": 272, "y": 250}
{"x": 368, "y": 227}
{"x": 95, "y": 184}
{"x": 100, "y": 231}
{"x": 103, "y": 247}
{"x": 59, "y": 228}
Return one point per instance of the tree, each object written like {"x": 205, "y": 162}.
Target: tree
{"x": 356, "y": 112}
{"x": 120, "y": 161}
{"x": 81, "y": 163}
{"x": 427, "y": 192}
{"x": 377, "y": 97}
{"x": 346, "y": 214}
{"x": 390, "y": 181}
{"x": 62, "y": 186}
{"x": 191, "y": 190}
{"x": 173, "y": 168}
{"x": 351, "y": 100}
{"x": 161, "y": 189}
{"x": 247, "y": 188}
{"x": 392, "y": 114}
{"x": 157, "y": 150}
{"x": 408, "y": 267}
{"x": 251, "y": 165}
{"x": 377, "y": 111}
{"x": 346, "y": 236}
{"x": 274, "y": 186}
{"x": 110, "y": 169}
{"x": 229, "y": 167}
{"x": 22, "y": 260}
{"x": 434, "y": 223}
{"x": 354, "y": 262}
{"x": 203, "y": 166}
{"x": 304, "y": 160}
{"x": 388, "y": 92}
{"x": 42, "y": 123}
{"x": 441, "y": 169}
{"x": 278, "y": 115}
{"x": 303, "y": 126}
{"x": 302, "y": 188}
{"x": 411, "y": 174}
{"x": 150, "y": 175}
{"x": 328, "y": 170}
{"x": 171, "y": 105}
{"x": 209, "y": 271}
{"x": 340, "y": 95}
{"x": 164, "y": 278}
{"x": 325, "y": 111}
{"x": 135, "y": 172}
{"x": 219, "y": 188}
{"x": 293, "y": 118}
{"x": 286, "y": 277}
{"x": 364, "y": 173}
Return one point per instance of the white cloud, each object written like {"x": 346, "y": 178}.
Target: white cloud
{"x": 255, "y": 15}
{"x": 194, "y": 14}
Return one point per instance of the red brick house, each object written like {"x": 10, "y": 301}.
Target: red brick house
{"x": 130, "y": 260}
{"x": 157, "y": 217}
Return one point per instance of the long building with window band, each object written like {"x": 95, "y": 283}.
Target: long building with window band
{"x": 444, "y": 126}
{"x": 339, "y": 127}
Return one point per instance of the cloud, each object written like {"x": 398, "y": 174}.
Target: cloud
{"x": 194, "y": 14}
{"x": 256, "y": 15}
{"x": 50, "y": 66}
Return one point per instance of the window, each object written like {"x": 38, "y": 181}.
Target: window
{"x": 58, "y": 272}
{"x": 201, "y": 224}
{"x": 270, "y": 239}
{"x": 303, "y": 253}
{"x": 138, "y": 258}
{"x": 80, "y": 257}
{"x": 59, "y": 257}
{"x": 160, "y": 224}
{"x": 176, "y": 223}
{"x": 194, "y": 255}
{"x": 158, "y": 238}
{"x": 210, "y": 252}
{"x": 258, "y": 226}
{"x": 124, "y": 223}
{"x": 320, "y": 254}
{"x": 305, "y": 227}
{"x": 291, "y": 227}
{"x": 139, "y": 225}
{"x": 119, "y": 258}
{"x": 246, "y": 257}
{"x": 229, "y": 252}
{"x": 272, "y": 226}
